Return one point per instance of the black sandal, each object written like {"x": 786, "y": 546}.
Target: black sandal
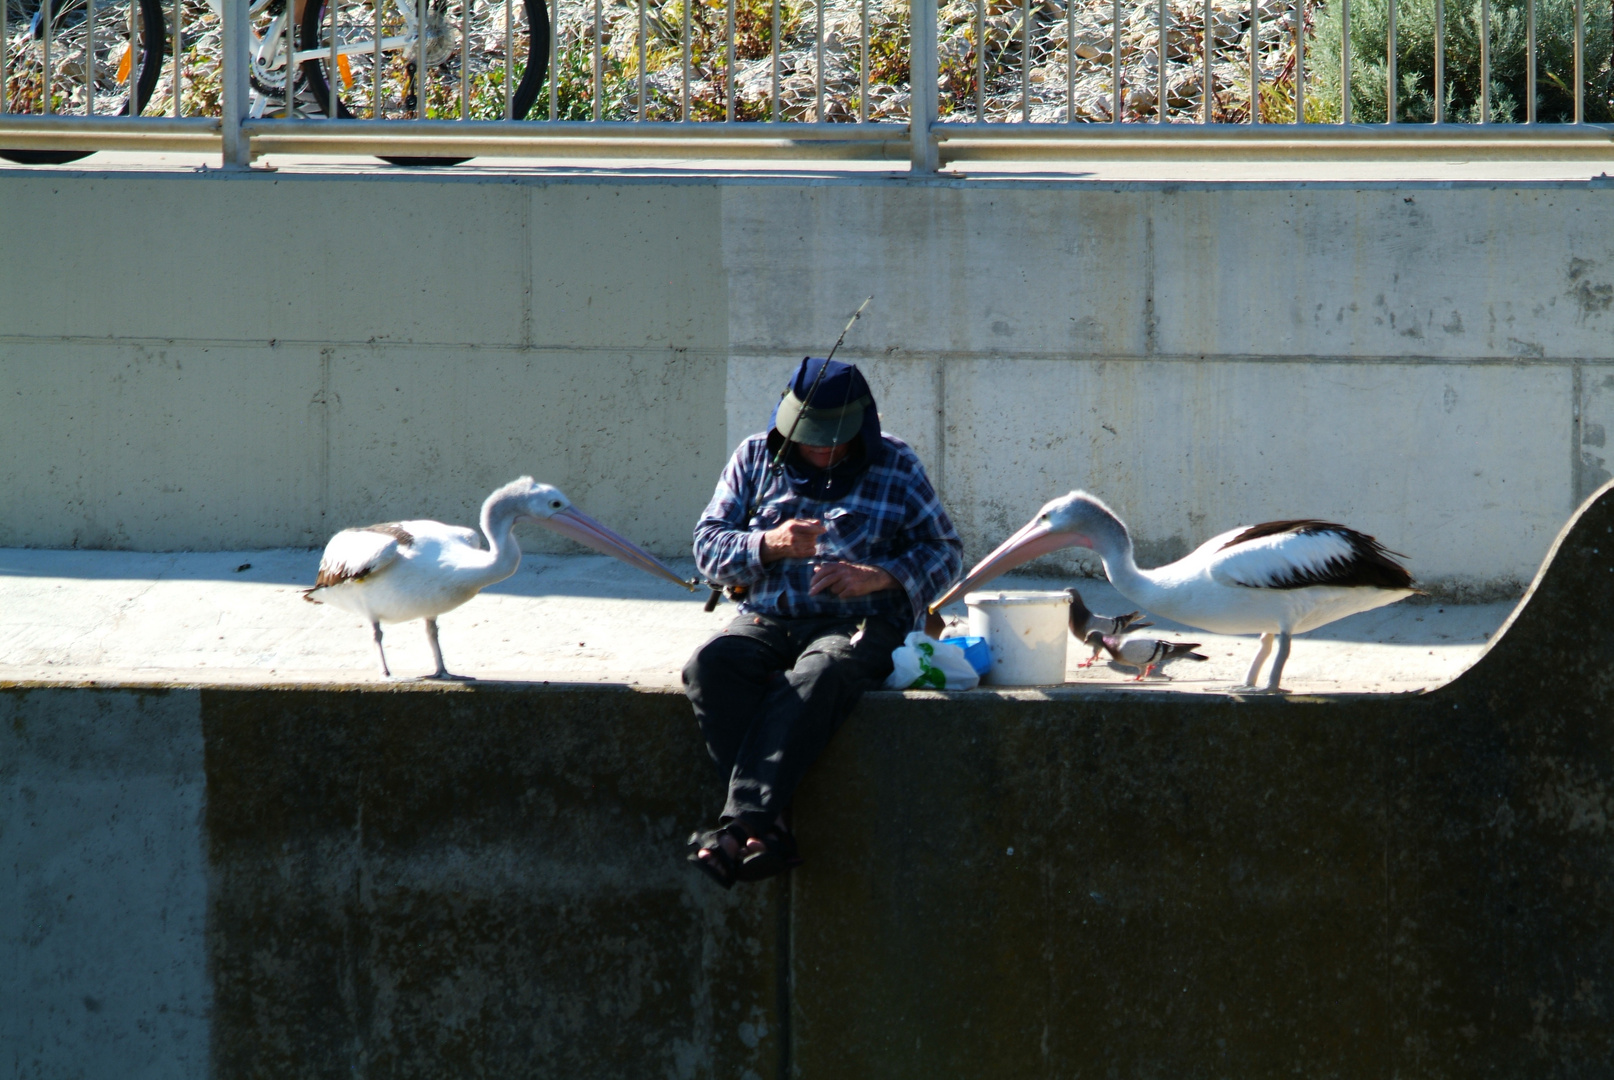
{"x": 720, "y": 866}
{"x": 779, "y": 853}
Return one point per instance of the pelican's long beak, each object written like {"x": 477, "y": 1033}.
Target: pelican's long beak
{"x": 577, "y": 525}
{"x": 1034, "y": 539}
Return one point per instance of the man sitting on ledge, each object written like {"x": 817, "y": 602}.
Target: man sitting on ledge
{"x": 837, "y": 551}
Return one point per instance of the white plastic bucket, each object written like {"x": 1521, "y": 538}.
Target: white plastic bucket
{"x": 1027, "y": 633}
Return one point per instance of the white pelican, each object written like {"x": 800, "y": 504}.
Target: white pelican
{"x": 1277, "y": 580}
{"x": 404, "y": 570}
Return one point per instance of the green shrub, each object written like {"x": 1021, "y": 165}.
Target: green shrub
{"x": 1415, "y": 60}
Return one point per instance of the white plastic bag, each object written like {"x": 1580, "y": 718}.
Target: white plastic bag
{"x": 923, "y": 663}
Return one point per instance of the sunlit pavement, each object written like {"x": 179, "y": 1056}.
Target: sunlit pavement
{"x": 239, "y": 617}
{"x": 1387, "y": 172}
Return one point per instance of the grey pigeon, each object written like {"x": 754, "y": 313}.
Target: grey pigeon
{"x": 1146, "y": 654}
{"x": 1083, "y": 623}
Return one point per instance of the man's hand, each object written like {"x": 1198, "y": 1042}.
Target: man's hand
{"x": 847, "y": 580}
{"x": 793, "y": 539}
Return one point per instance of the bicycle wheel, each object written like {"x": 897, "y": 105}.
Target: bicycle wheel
{"x": 71, "y": 77}
{"x": 391, "y": 89}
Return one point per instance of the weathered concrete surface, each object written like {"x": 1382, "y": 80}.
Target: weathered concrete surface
{"x": 485, "y": 880}
{"x": 1429, "y": 361}
{"x": 477, "y": 884}
{"x": 410, "y": 356}
{"x": 103, "y": 885}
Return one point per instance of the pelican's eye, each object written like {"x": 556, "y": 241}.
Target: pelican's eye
{"x": 555, "y": 505}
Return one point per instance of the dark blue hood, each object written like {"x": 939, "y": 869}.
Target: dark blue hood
{"x": 841, "y": 385}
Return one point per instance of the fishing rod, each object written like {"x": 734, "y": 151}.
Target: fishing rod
{"x": 790, "y": 436}
{"x": 777, "y": 464}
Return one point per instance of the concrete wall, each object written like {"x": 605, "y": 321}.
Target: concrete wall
{"x": 487, "y": 880}
{"x": 103, "y": 886}
{"x": 1429, "y": 362}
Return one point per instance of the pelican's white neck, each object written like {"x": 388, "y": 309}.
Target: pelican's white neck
{"x": 1113, "y": 545}
{"x": 499, "y": 515}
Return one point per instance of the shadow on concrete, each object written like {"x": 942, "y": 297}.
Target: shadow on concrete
{"x": 590, "y": 576}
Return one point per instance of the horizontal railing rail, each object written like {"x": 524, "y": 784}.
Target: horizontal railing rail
{"x": 825, "y": 80}
{"x": 604, "y": 139}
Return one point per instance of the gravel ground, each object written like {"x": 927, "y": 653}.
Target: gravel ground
{"x": 1001, "y": 59}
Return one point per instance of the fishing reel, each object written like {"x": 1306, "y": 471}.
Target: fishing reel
{"x": 735, "y": 593}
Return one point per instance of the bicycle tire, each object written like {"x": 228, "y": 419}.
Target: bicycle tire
{"x": 151, "y": 66}
{"x": 522, "y": 97}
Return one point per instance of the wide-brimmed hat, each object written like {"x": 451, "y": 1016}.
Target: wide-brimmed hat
{"x": 837, "y": 410}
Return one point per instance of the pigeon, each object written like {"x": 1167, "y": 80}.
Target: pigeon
{"x": 1084, "y": 623}
{"x": 1147, "y": 654}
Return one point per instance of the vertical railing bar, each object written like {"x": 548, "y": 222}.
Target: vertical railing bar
{"x": 50, "y": 17}
{"x": 683, "y": 113}
{"x": 1530, "y": 61}
{"x": 288, "y": 92}
{"x": 1160, "y": 81}
{"x": 375, "y": 62}
{"x": 465, "y": 59}
{"x": 1580, "y": 61}
{"x": 1255, "y": 61}
{"x": 333, "y": 82}
{"x": 179, "y": 29}
{"x": 554, "y": 47}
{"x": 980, "y": 60}
{"x": 1115, "y": 62}
{"x": 89, "y": 57}
{"x": 1025, "y": 63}
{"x": 728, "y": 69}
{"x": 1209, "y": 80}
{"x": 1440, "y": 61}
{"x": 1345, "y": 61}
{"x": 773, "y": 96}
{"x": 1300, "y": 61}
{"x": 1389, "y": 66}
{"x": 863, "y": 66}
{"x": 5, "y": 33}
{"x": 818, "y": 61}
{"x": 422, "y": 91}
{"x": 599, "y": 71}
{"x": 922, "y": 108}
{"x": 510, "y": 59}
{"x": 1070, "y": 61}
{"x": 1485, "y": 61}
{"x": 237, "y": 87}
{"x": 640, "y": 108}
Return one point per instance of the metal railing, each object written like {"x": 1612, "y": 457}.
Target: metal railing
{"x": 827, "y": 79}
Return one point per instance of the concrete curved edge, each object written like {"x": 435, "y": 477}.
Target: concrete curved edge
{"x": 1558, "y": 643}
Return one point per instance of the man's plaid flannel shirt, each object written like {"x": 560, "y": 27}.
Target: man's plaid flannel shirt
{"x": 892, "y": 519}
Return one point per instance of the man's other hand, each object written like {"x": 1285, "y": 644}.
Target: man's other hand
{"x": 794, "y": 539}
{"x": 849, "y": 579}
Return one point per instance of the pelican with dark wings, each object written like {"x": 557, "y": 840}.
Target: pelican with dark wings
{"x": 1277, "y": 579}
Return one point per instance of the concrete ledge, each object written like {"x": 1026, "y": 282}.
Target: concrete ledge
{"x": 487, "y": 880}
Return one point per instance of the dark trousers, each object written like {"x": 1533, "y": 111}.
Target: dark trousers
{"x": 770, "y": 692}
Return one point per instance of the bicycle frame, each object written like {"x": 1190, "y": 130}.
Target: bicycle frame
{"x": 267, "y": 48}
